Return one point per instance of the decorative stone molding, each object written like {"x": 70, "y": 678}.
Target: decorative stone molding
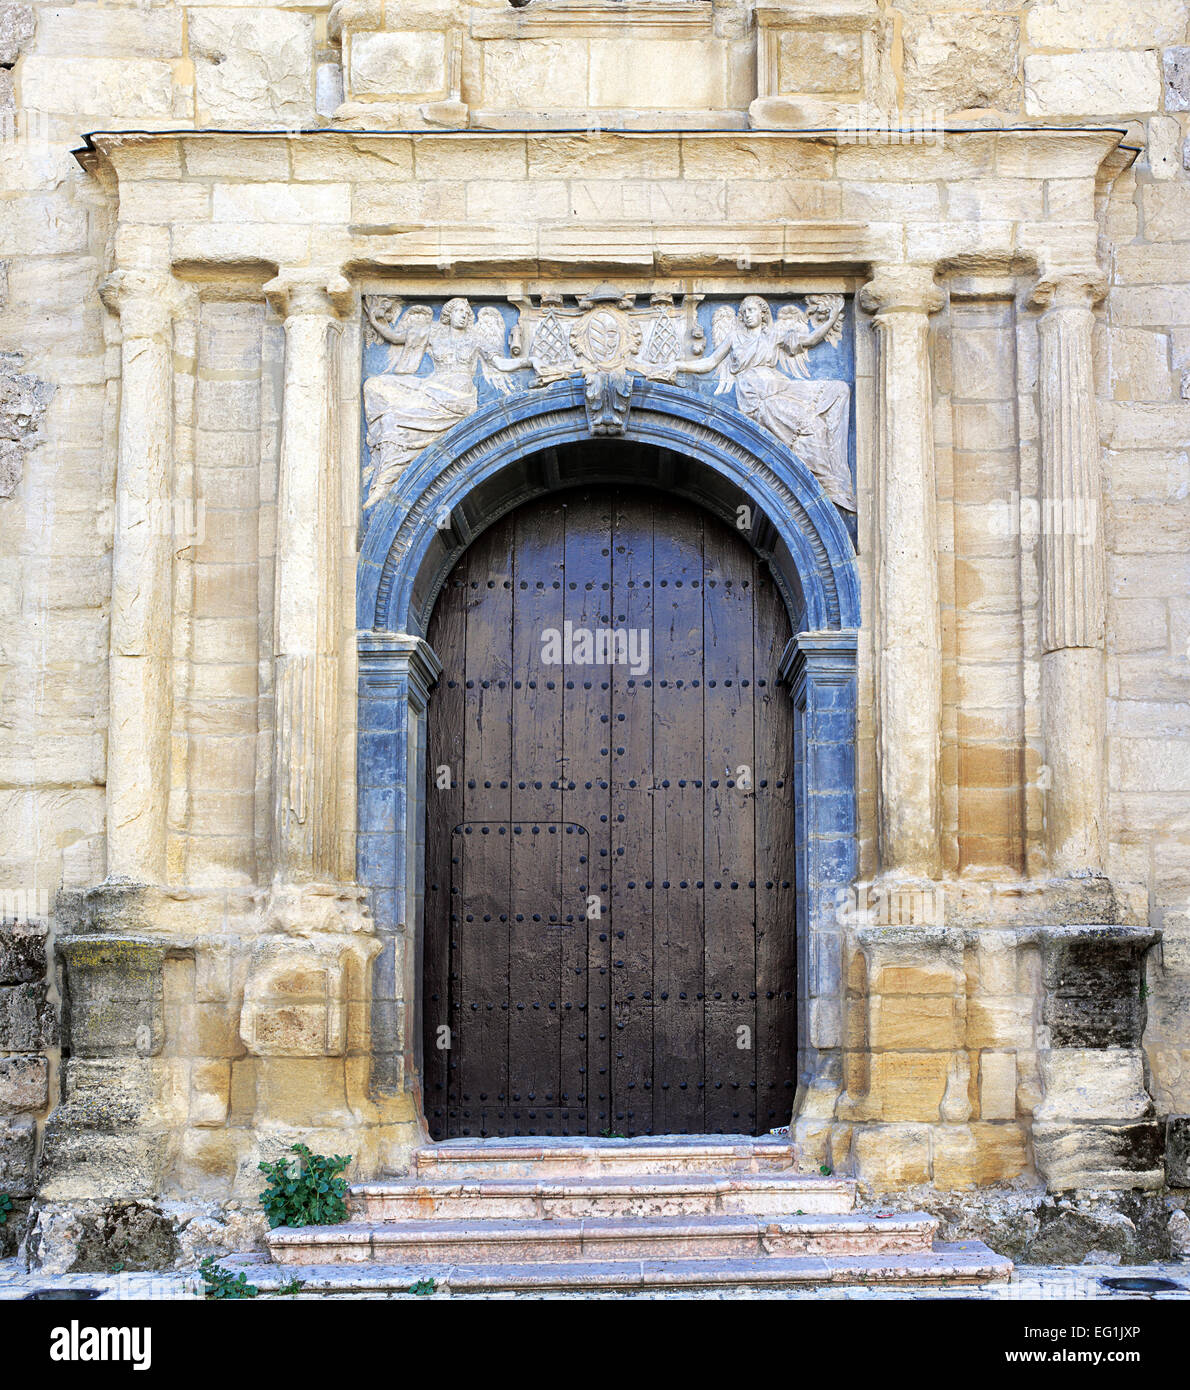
{"x": 909, "y": 636}
{"x": 817, "y": 60}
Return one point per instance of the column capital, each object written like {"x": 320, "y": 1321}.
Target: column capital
{"x": 387, "y": 657}
{"x": 145, "y": 301}
{"x": 296, "y": 293}
{"x": 902, "y": 289}
{"x": 1068, "y": 287}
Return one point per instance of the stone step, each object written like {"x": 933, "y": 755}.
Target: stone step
{"x": 736, "y": 1236}
{"x": 658, "y": 1194}
{"x": 576, "y": 1157}
{"x": 964, "y": 1263}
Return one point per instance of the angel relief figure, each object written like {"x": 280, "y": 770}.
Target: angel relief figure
{"x": 407, "y": 412}
{"x": 766, "y": 363}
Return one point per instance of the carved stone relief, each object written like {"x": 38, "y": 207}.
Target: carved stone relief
{"x": 760, "y": 360}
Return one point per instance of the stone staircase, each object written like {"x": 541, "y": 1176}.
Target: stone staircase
{"x": 482, "y": 1217}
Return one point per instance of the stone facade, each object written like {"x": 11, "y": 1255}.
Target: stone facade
{"x": 198, "y": 646}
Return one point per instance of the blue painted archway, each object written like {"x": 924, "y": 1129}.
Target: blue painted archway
{"x": 409, "y": 531}
{"x": 497, "y": 459}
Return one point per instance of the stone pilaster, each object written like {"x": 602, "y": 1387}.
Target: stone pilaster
{"x": 820, "y": 670}
{"x": 140, "y": 703}
{"x": 396, "y": 673}
{"x": 305, "y": 676}
{"x": 908, "y": 623}
{"x": 1073, "y": 601}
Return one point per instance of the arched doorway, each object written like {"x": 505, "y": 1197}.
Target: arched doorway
{"x": 610, "y": 940}
{"x": 528, "y": 447}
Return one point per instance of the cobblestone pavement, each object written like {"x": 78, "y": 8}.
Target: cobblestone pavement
{"x": 1056, "y": 1282}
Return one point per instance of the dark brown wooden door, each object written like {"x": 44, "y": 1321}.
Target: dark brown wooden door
{"x": 609, "y": 923}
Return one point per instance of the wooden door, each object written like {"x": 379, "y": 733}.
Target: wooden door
{"x": 609, "y": 923}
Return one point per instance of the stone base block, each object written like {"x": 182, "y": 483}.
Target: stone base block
{"x": 1177, "y": 1151}
{"x": 1100, "y": 1157}
{"x": 78, "y": 1165}
{"x": 18, "y": 1143}
{"x": 890, "y": 1157}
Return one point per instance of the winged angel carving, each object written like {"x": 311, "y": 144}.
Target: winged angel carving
{"x": 407, "y": 412}
{"x": 766, "y": 362}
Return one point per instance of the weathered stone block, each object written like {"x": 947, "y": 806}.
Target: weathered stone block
{"x": 1177, "y": 1150}
{"x": 955, "y": 61}
{"x": 85, "y": 1164}
{"x": 252, "y": 66}
{"x": 928, "y": 1021}
{"x": 1100, "y": 1157}
{"x": 27, "y": 1021}
{"x": 892, "y": 1156}
{"x": 819, "y": 62}
{"x": 105, "y": 1093}
{"x": 403, "y": 64}
{"x": 1099, "y": 1083}
{"x": 18, "y": 1140}
{"x": 973, "y": 1155}
{"x": 1092, "y": 982}
{"x": 115, "y": 992}
{"x": 1177, "y": 78}
{"x": 24, "y": 1084}
{"x": 17, "y": 24}
{"x": 997, "y": 1085}
{"x": 22, "y": 954}
{"x": 1092, "y": 84}
{"x": 1105, "y": 24}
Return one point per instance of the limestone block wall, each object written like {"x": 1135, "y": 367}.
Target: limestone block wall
{"x": 68, "y": 69}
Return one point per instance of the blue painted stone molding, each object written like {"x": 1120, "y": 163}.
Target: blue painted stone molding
{"x": 416, "y": 534}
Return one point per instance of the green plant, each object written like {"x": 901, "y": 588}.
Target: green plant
{"x": 1144, "y": 989}
{"x": 5, "y": 1207}
{"x": 825, "y": 1169}
{"x": 423, "y": 1287}
{"x": 221, "y": 1283}
{"x": 307, "y": 1192}
{"x": 611, "y": 1134}
{"x": 291, "y": 1286}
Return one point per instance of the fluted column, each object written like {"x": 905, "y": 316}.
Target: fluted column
{"x": 907, "y": 619}
{"x": 1073, "y": 599}
{"x": 305, "y": 685}
{"x": 138, "y": 740}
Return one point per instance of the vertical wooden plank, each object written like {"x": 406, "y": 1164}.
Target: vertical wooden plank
{"x": 729, "y": 757}
{"x": 776, "y": 915}
{"x": 588, "y": 1032}
{"x": 482, "y": 944}
{"x": 444, "y": 809}
{"x": 538, "y": 721}
{"x": 678, "y": 790}
{"x": 631, "y": 811}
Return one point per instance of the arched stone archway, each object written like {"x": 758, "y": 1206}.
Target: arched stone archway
{"x": 503, "y": 456}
